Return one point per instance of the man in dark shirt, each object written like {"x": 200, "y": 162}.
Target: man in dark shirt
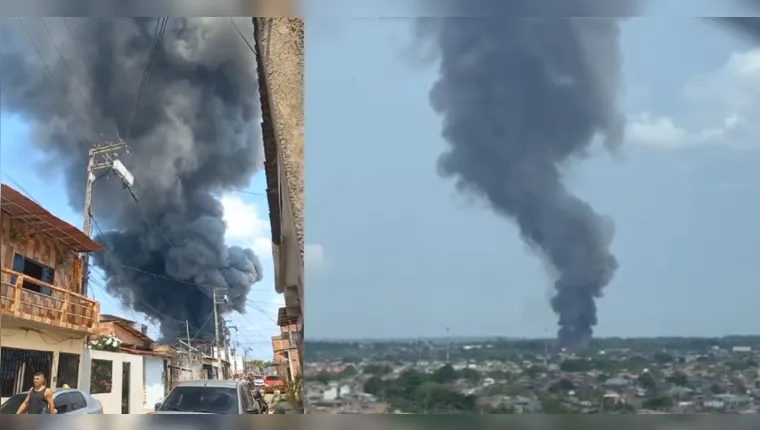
{"x": 40, "y": 398}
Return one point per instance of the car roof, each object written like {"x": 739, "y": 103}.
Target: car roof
{"x": 56, "y": 391}
{"x": 209, "y": 383}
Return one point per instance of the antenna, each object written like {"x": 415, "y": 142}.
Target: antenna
{"x": 448, "y": 346}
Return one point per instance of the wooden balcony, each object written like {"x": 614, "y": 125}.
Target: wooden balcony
{"x": 53, "y": 306}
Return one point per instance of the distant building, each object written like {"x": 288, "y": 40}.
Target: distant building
{"x": 287, "y": 355}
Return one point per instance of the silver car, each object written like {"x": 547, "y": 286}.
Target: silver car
{"x": 210, "y": 397}
{"x": 66, "y": 401}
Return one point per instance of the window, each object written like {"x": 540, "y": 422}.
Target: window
{"x": 213, "y": 400}
{"x": 35, "y": 270}
{"x": 247, "y": 398}
{"x": 77, "y": 400}
{"x": 62, "y": 403}
{"x": 11, "y": 405}
{"x": 101, "y": 377}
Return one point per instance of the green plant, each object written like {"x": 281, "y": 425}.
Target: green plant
{"x": 17, "y": 236}
{"x": 294, "y": 391}
{"x": 63, "y": 258}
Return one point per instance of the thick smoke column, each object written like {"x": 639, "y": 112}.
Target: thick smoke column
{"x": 196, "y": 133}
{"x": 519, "y": 98}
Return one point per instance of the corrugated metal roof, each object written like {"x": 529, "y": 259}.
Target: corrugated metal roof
{"x": 283, "y": 319}
{"x": 18, "y": 206}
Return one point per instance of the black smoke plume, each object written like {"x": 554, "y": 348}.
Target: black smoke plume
{"x": 196, "y": 133}
{"x": 519, "y": 98}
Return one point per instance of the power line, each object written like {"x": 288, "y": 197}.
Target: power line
{"x": 242, "y": 36}
{"x": 74, "y": 40}
{"x": 52, "y": 75}
{"x": 28, "y": 194}
{"x": 63, "y": 60}
{"x": 158, "y": 36}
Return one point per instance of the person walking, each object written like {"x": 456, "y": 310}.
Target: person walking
{"x": 40, "y": 398}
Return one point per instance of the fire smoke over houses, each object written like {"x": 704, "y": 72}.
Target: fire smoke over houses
{"x": 196, "y": 134}
{"x": 520, "y": 98}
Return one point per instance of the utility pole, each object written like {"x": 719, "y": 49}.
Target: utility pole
{"x": 227, "y": 338}
{"x": 419, "y": 352}
{"x": 187, "y": 327}
{"x": 100, "y": 158}
{"x": 216, "y": 335}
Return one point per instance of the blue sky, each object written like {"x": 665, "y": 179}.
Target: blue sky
{"x": 404, "y": 255}
{"x": 248, "y": 225}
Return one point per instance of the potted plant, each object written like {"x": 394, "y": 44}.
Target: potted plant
{"x": 18, "y": 236}
{"x": 106, "y": 342}
{"x": 64, "y": 257}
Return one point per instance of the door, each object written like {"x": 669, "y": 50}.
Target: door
{"x": 18, "y": 366}
{"x": 125, "y": 377}
{"x": 68, "y": 370}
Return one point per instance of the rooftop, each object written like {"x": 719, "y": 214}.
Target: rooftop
{"x": 20, "y": 207}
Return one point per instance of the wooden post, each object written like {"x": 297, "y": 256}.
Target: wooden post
{"x": 64, "y": 307}
{"x": 96, "y": 317}
{"x": 17, "y": 295}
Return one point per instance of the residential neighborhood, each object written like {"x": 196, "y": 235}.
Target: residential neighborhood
{"x": 189, "y": 242}
{"x": 617, "y": 376}
{"x": 49, "y": 326}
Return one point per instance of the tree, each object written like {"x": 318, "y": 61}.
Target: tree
{"x": 717, "y": 389}
{"x": 646, "y": 381}
{"x": 374, "y": 385}
{"x": 445, "y": 374}
{"x": 658, "y": 402}
{"x": 678, "y": 378}
{"x": 377, "y": 369}
{"x": 471, "y": 375}
{"x": 562, "y": 385}
{"x": 662, "y": 357}
{"x": 324, "y": 377}
{"x": 349, "y": 371}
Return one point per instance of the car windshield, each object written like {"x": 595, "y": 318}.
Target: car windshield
{"x": 258, "y": 378}
{"x": 273, "y": 378}
{"x": 212, "y": 400}
{"x": 11, "y": 405}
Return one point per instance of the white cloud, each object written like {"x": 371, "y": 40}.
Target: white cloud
{"x": 664, "y": 133}
{"x": 314, "y": 256}
{"x": 719, "y": 109}
{"x": 247, "y": 225}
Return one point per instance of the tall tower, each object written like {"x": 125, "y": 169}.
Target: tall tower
{"x": 448, "y": 346}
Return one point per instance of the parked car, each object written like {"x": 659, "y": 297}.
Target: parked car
{"x": 210, "y": 397}
{"x": 66, "y": 401}
{"x": 258, "y": 381}
{"x": 273, "y": 382}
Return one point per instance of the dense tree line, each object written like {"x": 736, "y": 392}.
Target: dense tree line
{"x": 422, "y": 393}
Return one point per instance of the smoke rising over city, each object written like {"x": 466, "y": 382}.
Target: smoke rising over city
{"x": 196, "y": 133}
{"x": 519, "y": 99}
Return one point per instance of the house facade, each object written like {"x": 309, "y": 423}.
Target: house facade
{"x": 279, "y": 43}
{"x": 44, "y": 318}
{"x": 137, "y": 373}
{"x": 287, "y": 355}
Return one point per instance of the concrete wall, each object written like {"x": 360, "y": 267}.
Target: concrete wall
{"x": 154, "y": 382}
{"x": 124, "y": 335}
{"x": 55, "y": 341}
{"x": 112, "y": 401}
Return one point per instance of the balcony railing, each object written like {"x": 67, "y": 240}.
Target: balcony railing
{"x": 50, "y": 305}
